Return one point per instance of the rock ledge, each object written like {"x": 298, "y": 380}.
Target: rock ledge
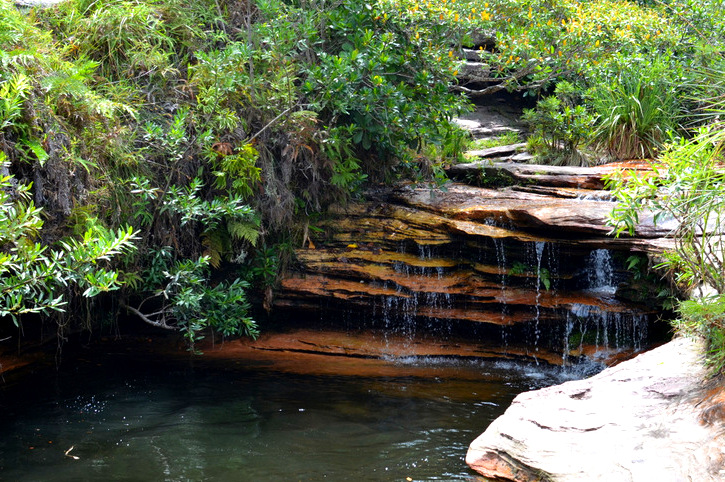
{"x": 642, "y": 420}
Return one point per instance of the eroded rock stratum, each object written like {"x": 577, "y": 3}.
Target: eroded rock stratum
{"x": 532, "y": 264}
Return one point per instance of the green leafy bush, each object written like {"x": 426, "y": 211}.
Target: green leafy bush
{"x": 188, "y": 302}
{"x": 34, "y": 278}
{"x": 384, "y": 78}
{"x": 686, "y": 191}
{"x": 705, "y": 318}
{"x": 560, "y": 127}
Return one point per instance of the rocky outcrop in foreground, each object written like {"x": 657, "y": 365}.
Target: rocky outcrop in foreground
{"x": 647, "y": 419}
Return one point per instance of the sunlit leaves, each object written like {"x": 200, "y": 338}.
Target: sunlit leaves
{"x": 33, "y": 277}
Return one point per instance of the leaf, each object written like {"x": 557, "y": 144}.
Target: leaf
{"x": 216, "y": 245}
{"x": 247, "y": 231}
{"x": 37, "y": 149}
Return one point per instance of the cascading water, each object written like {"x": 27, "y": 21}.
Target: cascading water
{"x": 541, "y": 294}
{"x": 401, "y": 312}
{"x": 608, "y": 327}
{"x": 571, "y": 306}
{"x": 501, "y": 268}
{"x": 539, "y": 249}
{"x": 600, "y": 272}
{"x": 610, "y": 330}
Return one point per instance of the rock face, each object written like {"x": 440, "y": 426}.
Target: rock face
{"x": 646, "y": 419}
{"x": 531, "y": 264}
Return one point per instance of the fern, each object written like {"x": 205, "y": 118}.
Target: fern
{"x": 217, "y": 243}
{"x": 244, "y": 230}
{"x": 12, "y": 94}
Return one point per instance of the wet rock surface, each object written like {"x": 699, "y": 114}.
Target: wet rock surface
{"x": 645, "y": 419}
{"x": 529, "y": 263}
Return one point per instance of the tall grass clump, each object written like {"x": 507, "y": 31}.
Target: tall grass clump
{"x": 636, "y": 106}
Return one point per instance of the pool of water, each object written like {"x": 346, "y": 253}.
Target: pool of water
{"x": 140, "y": 417}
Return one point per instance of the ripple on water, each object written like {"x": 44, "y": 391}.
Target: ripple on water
{"x": 154, "y": 421}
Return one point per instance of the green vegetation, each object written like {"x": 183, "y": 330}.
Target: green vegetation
{"x": 687, "y": 190}
{"x": 35, "y": 278}
{"x": 164, "y": 142}
{"x": 561, "y": 125}
{"x": 632, "y": 71}
{"x": 506, "y": 139}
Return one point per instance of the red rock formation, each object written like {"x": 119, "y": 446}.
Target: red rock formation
{"x": 506, "y": 257}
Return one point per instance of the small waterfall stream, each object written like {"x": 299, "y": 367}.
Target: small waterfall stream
{"x": 600, "y": 272}
{"x": 528, "y": 292}
{"x": 465, "y": 263}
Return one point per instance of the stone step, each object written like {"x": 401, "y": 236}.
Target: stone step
{"x": 491, "y": 121}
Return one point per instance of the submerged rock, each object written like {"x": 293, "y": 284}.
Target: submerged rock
{"x": 646, "y": 419}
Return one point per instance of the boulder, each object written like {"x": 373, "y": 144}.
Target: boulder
{"x": 647, "y": 419}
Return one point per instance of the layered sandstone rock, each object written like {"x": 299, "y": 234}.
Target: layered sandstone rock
{"x": 651, "y": 418}
{"x": 516, "y": 259}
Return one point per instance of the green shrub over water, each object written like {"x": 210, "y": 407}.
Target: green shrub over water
{"x": 210, "y": 126}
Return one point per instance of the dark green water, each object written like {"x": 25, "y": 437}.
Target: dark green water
{"x": 140, "y": 418}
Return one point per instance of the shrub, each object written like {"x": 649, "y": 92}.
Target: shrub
{"x": 560, "y": 127}
{"x": 35, "y": 278}
{"x": 388, "y": 80}
{"x": 705, "y": 318}
{"x": 686, "y": 189}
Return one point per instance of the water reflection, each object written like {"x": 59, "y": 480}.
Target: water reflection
{"x": 141, "y": 419}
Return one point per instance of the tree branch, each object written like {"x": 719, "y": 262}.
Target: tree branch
{"x": 146, "y": 319}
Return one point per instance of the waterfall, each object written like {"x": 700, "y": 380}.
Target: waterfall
{"x": 501, "y": 268}
{"x": 609, "y": 329}
{"x": 600, "y": 272}
{"x": 539, "y": 248}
